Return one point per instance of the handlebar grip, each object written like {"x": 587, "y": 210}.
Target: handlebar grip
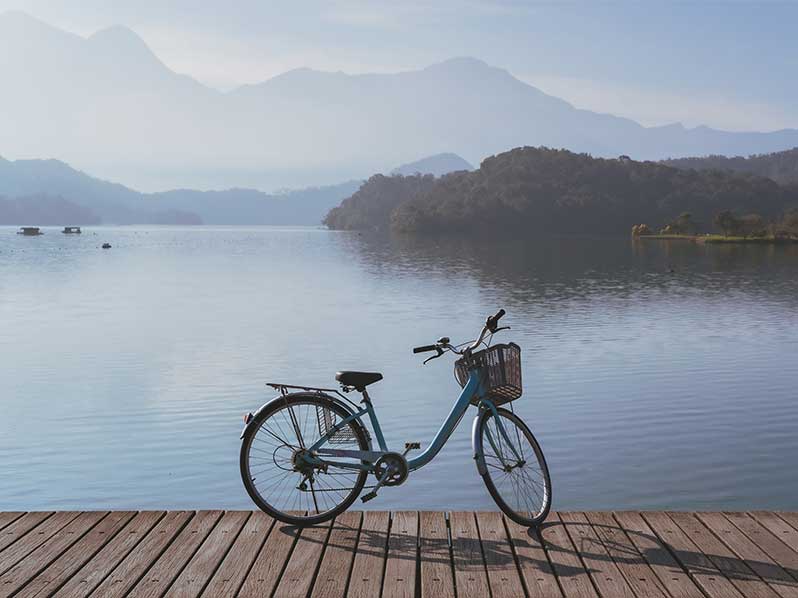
{"x": 493, "y": 321}
{"x": 425, "y": 349}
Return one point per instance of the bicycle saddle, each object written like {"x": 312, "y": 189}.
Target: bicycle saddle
{"x": 358, "y": 380}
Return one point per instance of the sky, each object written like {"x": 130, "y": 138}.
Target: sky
{"x": 729, "y": 65}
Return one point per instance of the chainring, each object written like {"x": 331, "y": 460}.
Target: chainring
{"x": 397, "y": 463}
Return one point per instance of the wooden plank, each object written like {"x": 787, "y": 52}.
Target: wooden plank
{"x": 503, "y": 576}
{"x": 300, "y": 571}
{"x": 92, "y": 573}
{"x": 199, "y": 570}
{"x": 400, "y": 569}
{"x": 336, "y": 564}
{"x": 369, "y": 565}
{"x": 571, "y": 573}
{"x": 177, "y": 555}
{"x": 639, "y": 576}
{"x": 536, "y": 571}
{"x": 779, "y": 528}
{"x": 69, "y": 562}
{"x": 9, "y": 517}
{"x": 17, "y": 576}
{"x": 231, "y": 573}
{"x": 270, "y": 562}
{"x": 735, "y": 570}
{"x": 436, "y": 564}
{"x": 19, "y": 528}
{"x": 141, "y": 558}
{"x": 34, "y": 538}
{"x": 753, "y": 556}
{"x": 789, "y": 517}
{"x": 668, "y": 571}
{"x": 606, "y": 576}
{"x": 701, "y": 568}
{"x": 470, "y": 577}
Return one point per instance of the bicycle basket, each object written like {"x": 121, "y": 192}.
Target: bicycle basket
{"x": 501, "y": 371}
{"x": 328, "y": 419}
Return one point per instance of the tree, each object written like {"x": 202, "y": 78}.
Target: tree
{"x": 726, "y": 221}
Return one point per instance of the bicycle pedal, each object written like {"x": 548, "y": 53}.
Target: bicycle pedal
{"x": 368, "y": 497}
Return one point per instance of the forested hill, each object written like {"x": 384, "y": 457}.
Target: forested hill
{"x": 543, "y": 190}
{"x": 782, "y": 167}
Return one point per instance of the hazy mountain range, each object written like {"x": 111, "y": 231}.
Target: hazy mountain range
{"x": 52, "y": 192}
{"x": 107, "y": 104}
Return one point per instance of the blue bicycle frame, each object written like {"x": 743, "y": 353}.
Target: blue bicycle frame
{"x": 472, "y": 388}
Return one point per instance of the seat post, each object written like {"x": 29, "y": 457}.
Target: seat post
{"x": 366, "y": 397}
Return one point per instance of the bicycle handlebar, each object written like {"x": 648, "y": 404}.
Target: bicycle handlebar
{"x": 425, "y": 349}
{"x": 491, "y": 325}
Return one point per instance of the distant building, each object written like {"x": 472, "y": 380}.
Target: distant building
{"x": 624, "y": 158}
{"x": 71, "y": 230}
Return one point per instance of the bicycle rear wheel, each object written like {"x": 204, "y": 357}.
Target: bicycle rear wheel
{"x": 515, "y": 470}
{"x": 283, "y": 484}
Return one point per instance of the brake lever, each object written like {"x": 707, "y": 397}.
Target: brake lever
{"x": 502, "y": 328}
{"x": 440, "y": 352}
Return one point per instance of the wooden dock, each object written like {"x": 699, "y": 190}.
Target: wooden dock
{"x": 407, "y": 554}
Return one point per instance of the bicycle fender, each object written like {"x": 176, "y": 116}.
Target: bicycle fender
{"x": 482, "y": 469}
{"x": 250, "y": 417}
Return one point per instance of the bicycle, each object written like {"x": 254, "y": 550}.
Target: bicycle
{"x": 306, "y": 455}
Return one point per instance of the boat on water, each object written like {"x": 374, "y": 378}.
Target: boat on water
{"x": 71, "y": 230}
{"x": 30, "y": 231}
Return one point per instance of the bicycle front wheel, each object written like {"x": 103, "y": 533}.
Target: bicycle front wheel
{"x": 515, "y": 471}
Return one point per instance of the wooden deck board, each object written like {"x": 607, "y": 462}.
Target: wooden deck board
{"x": 367, "y": 571}
{"x": 536, "y": 572}
{"x": 606, "y": 576}
{"x": 197, "y": 573}
{"x": 670, "y": 574}
{"x": 640, "y": 577}
{"x": 230, "y": 575}
{"x": 403, "y": 554}
{"x": 124, "y": 576}
{"x": 158, "y": 579}
{"x": 400, "y": 568}
{"x": 270, "y": 561}
{"x": 470, "y": 575}
{"x": 568, "y": 567}
{"x": 97, "y": 569}
{"x": 503, "y": 575}
{"x": 336, "y": 566}
{"x": 300, "y": 571}
{"x": 69, "y": 562}
{"x": 690, "y": 557}
{"x": 437, "y": 578}
{"x": 754, "y": 557}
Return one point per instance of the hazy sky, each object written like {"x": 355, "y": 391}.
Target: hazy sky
{"x": 730, "y": 65}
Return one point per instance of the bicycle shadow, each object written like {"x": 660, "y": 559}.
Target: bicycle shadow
{"x": 556, "y": 547}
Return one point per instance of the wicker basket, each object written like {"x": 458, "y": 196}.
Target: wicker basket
{"x": 501, "y": 371}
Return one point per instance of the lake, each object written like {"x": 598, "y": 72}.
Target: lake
{"x": 656, "y": 375}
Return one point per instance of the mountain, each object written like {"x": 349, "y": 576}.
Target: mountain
{"x": 108, "y": 104}
{"x": 782, "y": 167}
{"x": 44, "y": 210}
{"x": 108, "y": 202}
{"x": 539, "y": 190}
{"x": 436, "y": 165}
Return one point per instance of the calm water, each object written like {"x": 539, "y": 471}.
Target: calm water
{"x": 124, "y": 373}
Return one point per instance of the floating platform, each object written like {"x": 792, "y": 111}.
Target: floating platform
{"x": 409, "y": 554}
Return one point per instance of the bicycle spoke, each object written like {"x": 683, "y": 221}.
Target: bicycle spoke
{"x": 513, "y": 465}
{"x": 279, "y": 475}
